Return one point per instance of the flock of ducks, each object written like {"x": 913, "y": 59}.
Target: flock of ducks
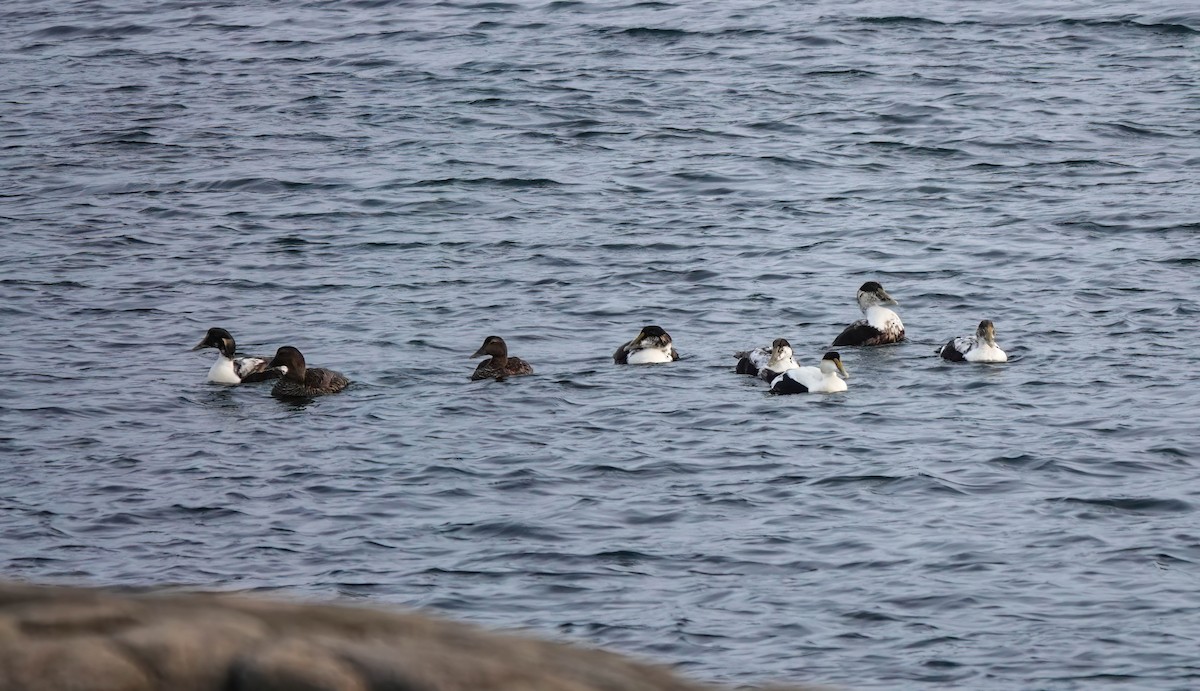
{"x": 774, "y": 364}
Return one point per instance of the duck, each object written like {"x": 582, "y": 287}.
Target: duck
{"x": 299, "y": 380}
{"x": 651, "y": 345}
{"x": 880, "y": 325}
{"x": 821, "y": 379}
{"x": 500, "y": 364}
{"x": 765, "y": 362}
{"x": 232, "y": 370}
{"x": 978, "y": 348}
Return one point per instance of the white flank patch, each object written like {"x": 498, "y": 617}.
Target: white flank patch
{"x": 883, "y": 319}
{"x": 815, "y": 380}
{"x": 222, "y": 372}
{"x": 985, "y": 353}
{"x": 649, "y": 356}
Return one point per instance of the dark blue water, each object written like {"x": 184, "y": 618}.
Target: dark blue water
{"x": 384, "y": 184}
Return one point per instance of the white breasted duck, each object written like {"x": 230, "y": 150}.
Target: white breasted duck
{"x": 229, "y": 369}
{"x": 978, "y": 348}
{"x": 879, "y": 326}
{"x": 651, "y": 345}
{"x": 301, "y": 381}
{"x": 765, "y": 362}
{"x": 822, "y": 379}
{"x": 500, "y": 364}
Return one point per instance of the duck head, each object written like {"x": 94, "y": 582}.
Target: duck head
{"x": 290, "y": 362}
{"x": 871, "y": 293}
{"x": 832, "y": 362}
{"x": 220, "y": 339}
{"x": 494, "y": 346}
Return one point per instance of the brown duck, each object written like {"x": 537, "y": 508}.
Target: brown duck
{"x": 300, "y": 381}
{"x": 500, "y": 364}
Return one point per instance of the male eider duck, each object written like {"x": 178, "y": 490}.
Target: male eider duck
{"x": 500, "y": 364}
{"x": 880, "y": 326}
{"x": 767, "y": 363}
{"x": 978, "y": 348}
{"x": 234, "y": 370}
{"x": 823, "y": 379}
{"x": 301, "y": 381}
{"x": 651, "y": 345}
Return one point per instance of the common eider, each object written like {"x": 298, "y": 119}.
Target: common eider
{"x": 651, "y": 345}
{"x": 767, "y": 363}
{"x": 823, "y": 379}
{"x": 234, "y": 370}
{"x": 978, "y": 348}
{"x": 500, "y": 364}
{"x": 880, "y": 325}
{"x": 301, "y": 381}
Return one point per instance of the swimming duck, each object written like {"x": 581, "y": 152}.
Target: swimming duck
{"x": 880, "y": 326}
{"x": 301, "y": 381}
{"x": 234, "y": 370}
{"x": 978, "y": 348}
{"x": 767, "y": 363}
{"x": 822, "y": 379}
{"x": 651, "y": 345}
{"x": 500, "y": 364}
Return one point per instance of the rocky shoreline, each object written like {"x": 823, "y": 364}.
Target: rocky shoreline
{"x": 61, "y": 638}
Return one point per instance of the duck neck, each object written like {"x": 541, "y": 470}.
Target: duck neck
{"x": 296, "y": 372}
{"x": 499, "y": 353}
{"x": 779, "y": 359}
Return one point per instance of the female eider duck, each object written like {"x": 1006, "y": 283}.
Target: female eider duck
{"x": 823, "y": 379}
{"x": 767, "y": 363}
{"x": 651, "y": 345}
{"x": 234, "y": 370}
{"x": 301, "y": 381}
{"x": 500, "y": 364}
{"x": 880, "y": 326}
{"x": 978, "y": 348}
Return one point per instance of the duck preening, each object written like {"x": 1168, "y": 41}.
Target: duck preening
{"x": 767, "y": 362}
{"x": 229, "y": 369}
{"x": 879, "y": 324}
{"x": 651, "y": 345}
{"x": 822, "y": 379}
{"x": 978, "y": 348}
{"x": 301, "y": 381}
{"x": 500, "y": 364}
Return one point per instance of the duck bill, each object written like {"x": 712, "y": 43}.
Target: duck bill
{"x": 886, "y": 299}
{"x": 477, "y": 353}
{"x": 201, "y": 345}
{"x": 841, "y": 368}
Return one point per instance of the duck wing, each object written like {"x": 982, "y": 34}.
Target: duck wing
{"x": 752, "y": 361}
{"x": 516, "y": 367}
{"x": 859, "y": 333}
{"x": 321, "y": 380}
{"x": 252, "y": 369}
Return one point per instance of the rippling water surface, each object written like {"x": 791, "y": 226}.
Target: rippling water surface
{"x": 384, "y": 184}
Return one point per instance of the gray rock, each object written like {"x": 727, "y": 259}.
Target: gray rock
{"x": 56, "y": 638}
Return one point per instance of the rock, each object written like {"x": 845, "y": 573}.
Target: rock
{"x": 56, "y": 638}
